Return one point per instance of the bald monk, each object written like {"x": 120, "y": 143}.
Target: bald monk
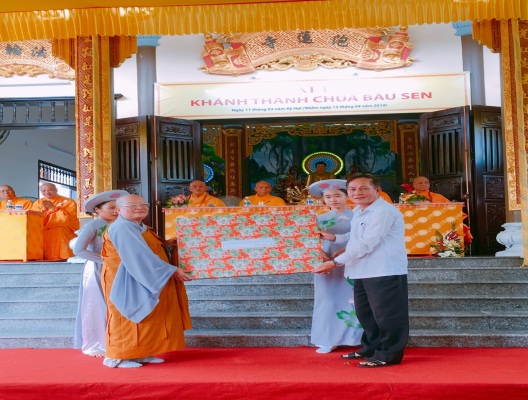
{"x": 7, "y": 193}
{"x": 60, "y": 222}
{"x": 422, "y": 185}
{"x": 200, "y": 198}
{"x": 145, "y": 296}
{"x": 263, "y": 196}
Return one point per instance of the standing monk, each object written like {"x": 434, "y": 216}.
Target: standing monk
{"x": 200, "y": 198}
{"x": 263, "y": 196}
{"x": 147, "y": 306}
{"x": 60, "y": 222}
{"x": 7, "y": 193}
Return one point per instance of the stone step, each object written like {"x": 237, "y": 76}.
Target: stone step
{"x": 463, "y": 320}
{"x": 467, "y": 274}
{"x": 465, "y": 262}
{"x": 48, "y": 278}
{"x": 249, "y": 304}
{"x": 467, "y": 303}
{"x": 43, "y": 292}
{"x": 248, "y": 338}
{"x": 37, "y": 322}
{"x": 56, "y": 306}
{"x": 47, "y": 339}
{"x": 487, "y": 289}
{"x": 275, "y": 320}
{"x": 468, "y": 338}
{"x": 262, "y": 289}
{"x": 40, "y": 267}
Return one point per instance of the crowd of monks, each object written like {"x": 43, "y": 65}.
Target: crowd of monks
{"x": 61, "y": 221}
{"x": 60, "y": 218}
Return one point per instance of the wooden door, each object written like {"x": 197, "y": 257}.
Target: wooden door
{"x": 176, "y": 161}
{"x": 156, "y": 158}
{"x": 445, "y": 150}
{"x": 489, "y": 204}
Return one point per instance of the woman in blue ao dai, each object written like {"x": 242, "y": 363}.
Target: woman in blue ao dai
{"x": 90, "y": 323}
{"x": 334, "y": 321}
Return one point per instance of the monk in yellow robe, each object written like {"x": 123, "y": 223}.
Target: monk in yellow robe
{"x": 60, "y": 222}
{"x": 384, "y": 195}
{"x": 263, "y": 196}
{"x": 200, "y": 198}
{"x": 7, "y": 193}
{"x": 421, "y": 185}
{"x": 147, "y": 305}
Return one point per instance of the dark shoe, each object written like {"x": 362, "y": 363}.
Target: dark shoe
{"x": 351, "y": 356}
{"x": 372, "y": 363}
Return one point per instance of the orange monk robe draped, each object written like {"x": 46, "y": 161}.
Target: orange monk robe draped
{"x": 385, "y": 196}
{"x": 59, "y": 227}
{"x": 438, "y": 198}
{"x": 205, "y": 200}
{"x": 268, "y": 200}
{"x": 17, "y": 201}
{"x": 162, "y": 330}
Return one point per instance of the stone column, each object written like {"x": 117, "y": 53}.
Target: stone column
{"x": 146, "y": 73}
{"x": 472, "y": 61}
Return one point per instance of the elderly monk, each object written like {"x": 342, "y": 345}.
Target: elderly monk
{"x": 60, "y": 222}
{"x": 146, "y": 300}
{"x": 422, "y": 185}
{"x": 263, "y": 196}
{"x": 200, "y": 198}
{"x": 7, "y": 193}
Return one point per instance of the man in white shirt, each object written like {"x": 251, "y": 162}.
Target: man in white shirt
{"x": 375, "y": 257}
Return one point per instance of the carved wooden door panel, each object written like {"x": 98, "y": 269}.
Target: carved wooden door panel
{"x": 444, "y": 152}
{"x": 176, "y": 161}
{"x": 489, "y": 205}
{"x": 156, "y": 158}
{"x": 445, "y": 149}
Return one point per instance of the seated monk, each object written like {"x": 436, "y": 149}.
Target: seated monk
{"x": 421, "y": 185}
{"x": 263, "y": 196}
{"x": 60, "y": 222}
{"x": 384, "y": 195}
{"x": 320, "y": 173}
{"x": 7, "y": 193}
{"x": 200, "y": 198}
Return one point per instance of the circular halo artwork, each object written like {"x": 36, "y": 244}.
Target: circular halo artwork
{"x": 208, "y": 173}
{"x": 334, "y": 163}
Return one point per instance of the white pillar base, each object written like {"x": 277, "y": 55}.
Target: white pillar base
{"x": 511, "y": 237}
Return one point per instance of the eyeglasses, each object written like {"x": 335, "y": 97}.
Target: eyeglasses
{"x": 136, "y": 205}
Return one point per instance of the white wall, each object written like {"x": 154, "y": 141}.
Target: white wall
{"x": 20, "y": 153}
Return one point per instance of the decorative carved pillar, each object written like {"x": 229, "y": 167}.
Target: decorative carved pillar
{"x": 92, "y": 59}
{"x": 408, "y": 145}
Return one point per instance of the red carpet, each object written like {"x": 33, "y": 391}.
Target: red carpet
{"x": 267, "y": 373}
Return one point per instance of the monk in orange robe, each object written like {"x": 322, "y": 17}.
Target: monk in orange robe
{"x": 421, "y": 185}
{"x": 60, "y": 222}
{"x": 200, "y": 198}
{"x": 263, "y": 196}
{"x": 147, "y": 306}
{"x": 7, "y": 193}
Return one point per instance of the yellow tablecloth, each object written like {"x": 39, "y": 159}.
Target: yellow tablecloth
{"x": 21, "y": 235}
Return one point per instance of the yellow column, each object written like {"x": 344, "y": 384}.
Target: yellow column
{"x": 514, "y": 56}
{"x": 92, "y": 57}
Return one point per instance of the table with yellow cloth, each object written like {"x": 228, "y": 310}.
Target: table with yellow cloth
{"x": 200, "y": 233}
{"x": 21, "y": 235}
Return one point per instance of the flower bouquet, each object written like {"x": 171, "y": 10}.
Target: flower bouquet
{"x": 412, "y": 198}
{"x": 447, "y": 245}
{"x": 179, "y": 200}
